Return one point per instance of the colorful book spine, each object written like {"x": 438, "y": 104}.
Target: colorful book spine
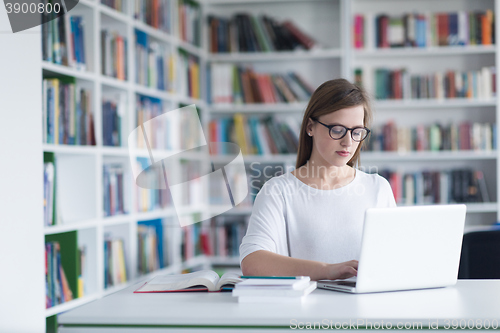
{"x": 232, "y": 84}
{"x": 115, "y": 267}
{"x": 436, "y": 137}
{"x": 189, "y": 14}
{"x": 257, "y": 136}
{"x": 67, "y": 113}
{"x": 249, "y": 33}
{"x": 113, "y": 55}
{"x": 437, "y": 187}
{"x": 424, "y": 29}
{"x": 397, "y": 84}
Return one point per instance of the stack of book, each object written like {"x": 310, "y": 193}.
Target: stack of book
{"x": 273, "y": 289}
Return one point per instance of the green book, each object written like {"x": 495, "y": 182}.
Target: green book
{"x": 70, "y": 259}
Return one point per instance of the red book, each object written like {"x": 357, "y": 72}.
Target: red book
{"x": 383, "y": 31}
{"x": 304, "y": 39}
{"x": 443, "y": 29}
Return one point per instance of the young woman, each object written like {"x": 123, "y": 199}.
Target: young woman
{"x": 310, "y": 221}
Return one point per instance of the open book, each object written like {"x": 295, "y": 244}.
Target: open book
{"x": 205, "y": 280}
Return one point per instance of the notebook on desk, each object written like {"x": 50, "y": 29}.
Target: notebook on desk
{"x": 407, "y": 248}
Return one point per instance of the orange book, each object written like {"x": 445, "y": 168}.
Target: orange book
{"x": 247, "y": 90}
{"x": 486, "y": 21}
{"x": 120, "y": 58}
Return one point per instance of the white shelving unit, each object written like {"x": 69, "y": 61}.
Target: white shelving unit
{"x": 428, "y": 111}
{"x": 340, "y": 52}
{"x": 81, "y": 167}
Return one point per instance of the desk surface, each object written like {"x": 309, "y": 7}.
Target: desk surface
{"x": 469, "y": 299}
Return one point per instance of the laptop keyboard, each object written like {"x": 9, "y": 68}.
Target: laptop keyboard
{"x": 347, "y": 283}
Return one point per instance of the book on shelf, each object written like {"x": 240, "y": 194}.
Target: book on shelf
{"x": 400, "y": 84}
{"x": 256, "y": 135}
{"x": 118, "y": 5}
{"x": 62, "y": 262}
{"x": 63, "y": 40}
{"x": 242, "y": 85}
{"x": 67, "y": 112}
{"x": 114, "y": 189}
{"x": 454, "y": 28}
{"x": 114, "y": 57}
{"x": 465, "y": 135}
{"x": 113, "y": 114}
{"x": 150, "y": 246}
{"x": 82, "y": 271}
{"x": 155, "y": 13}
{"x": 115, "y": 263}
{"x": 50, "y": 206}
{"x": 149, "y": 197}
{"x": 437, "y": 187}
{"x": 57, "y": 287}
{"x": 244, "y": 32}
{"x": 189, "y": 19}
{"x": 204, "y": 280}
{"x": 155, "y": 63}
{"x": 189, "y": 75}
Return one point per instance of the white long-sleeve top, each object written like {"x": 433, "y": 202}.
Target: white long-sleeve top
{"x": 323, "y": 225}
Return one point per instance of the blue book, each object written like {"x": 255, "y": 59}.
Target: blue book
{"x": 81, "y": 41}
{"x": 253, "y": 129}
{"x": 453, "y": 29}
{"x": 76, "y": 35}
{"x": 157, "y": 224}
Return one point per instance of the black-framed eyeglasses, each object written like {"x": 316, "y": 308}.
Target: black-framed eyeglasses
{"x": 337, "y": 132}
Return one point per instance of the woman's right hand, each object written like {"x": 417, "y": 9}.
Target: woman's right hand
{"x": 343, "y": 270}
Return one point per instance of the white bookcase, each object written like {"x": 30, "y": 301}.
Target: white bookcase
{"x": 80, "y": 168}
{"x": 407, "y": 112}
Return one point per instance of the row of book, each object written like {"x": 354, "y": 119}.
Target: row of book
{"x": 115, "y": 4}
{"x": 224, "y": 236}
{"x": 247, "y": 33}
{"x": 436, "y": 137}
{"x": 229, "y": 83}
{"x": 424, "y": 29}
{"x": 176, "y": 132}
{"x": 67, "y": 113}
{"x": 438, "y": 186}
{"x": 114, "y": 58}
{"x": 154, "y": 63}
{"x": 57, "y": 286}
{"x": 115, "y": 263}
{"x": 257, "y": 136}
{"x": 401, "y": 84}
{"x": 156, "y": 13}
{"x": 112, "y": 112}
{"x": 189, "y": 75}
{"x": 113, "y": 189}
{"x": 189, "y": 18}
{"x": 150, "y": 246}
{"x": 63, "y": 41}
{"x": 150, "y": 196}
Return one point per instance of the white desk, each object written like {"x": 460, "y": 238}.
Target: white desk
{"x": 469, "y": 301}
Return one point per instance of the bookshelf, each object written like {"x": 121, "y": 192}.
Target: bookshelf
{"x": 330, "y": 22}
{"x": 90, "y": 176}
{"x": 425, "y": 61}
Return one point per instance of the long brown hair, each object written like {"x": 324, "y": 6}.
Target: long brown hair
{"x": 329, "y": 97}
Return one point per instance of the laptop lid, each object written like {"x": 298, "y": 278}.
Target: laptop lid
{"x": 410, "y": 247}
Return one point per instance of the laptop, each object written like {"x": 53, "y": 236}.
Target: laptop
{"x": 407, "y": 248}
